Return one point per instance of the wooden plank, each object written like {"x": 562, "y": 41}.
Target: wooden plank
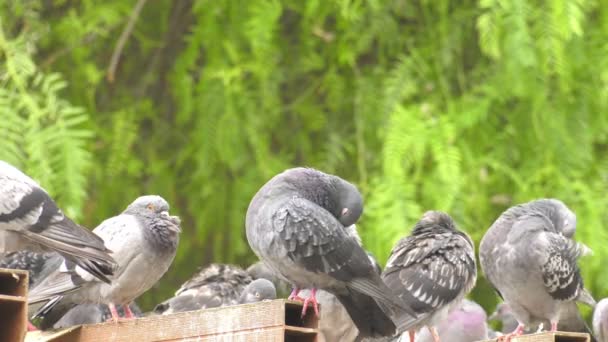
{"x": 558, "y": 336}
{"x": 13, "y": 304}
{"x": 264, "y": 321}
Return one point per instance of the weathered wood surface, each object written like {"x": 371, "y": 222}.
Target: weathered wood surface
{"x": 13, "y": 304}
{"x": 277, "y": 320}
{"x": 558, "y": 336}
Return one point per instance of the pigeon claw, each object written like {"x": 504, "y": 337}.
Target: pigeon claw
{"x": 294, "y": 295}
{"x": 311, "y": 300}
{"x": 517, "y": 332}
{"x": 31, "y": 327}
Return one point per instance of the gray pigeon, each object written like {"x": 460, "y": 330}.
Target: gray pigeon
{"x": 143, "y": 239}
{"x": 431, "y": 270}
{"x": 296, "y": 224}
{"x": 91, "y": 314}
{"x": 530, "y": 258}
{"x": 259, "y": 270}
{"x": 600, "y": 320}
{"x": 213, "y": 286}
{"x": 30, "y": 219}
{"x": 466, "y": 322}
{"x": 26, "y": 260}
{"x": 258, "y": 290}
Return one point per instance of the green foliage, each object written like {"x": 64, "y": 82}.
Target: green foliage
{"x": 468, "y": 108}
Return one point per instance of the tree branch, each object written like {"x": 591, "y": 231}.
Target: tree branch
{"x": 122, "y": 40}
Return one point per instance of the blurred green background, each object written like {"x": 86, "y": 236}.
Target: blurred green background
{"x": 468, "y": 107}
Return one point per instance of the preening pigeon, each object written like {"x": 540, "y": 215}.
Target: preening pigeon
{"x": 144, "y": 240}
{"x": 213, "y": 286}
{"x": 30, "y": 219}
{"x": 296, "y": 224}
{"x": 26, "y": 260}
{"x": 91, "y": 314}
{"x": 530, "y": 258}
{"x": 600, "y": 320}
{"x": 431, "y": 270}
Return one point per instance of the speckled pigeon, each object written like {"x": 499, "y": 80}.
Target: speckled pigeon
{"x": 296, "y": 223}
{"x": 431, "y": 270}
{"x": 26, "y": 260}
{"x": 144, "y": 240}
{"x": 530, "y": 258}
{"x": 30, "y": 219}
{"x": 213, "y": 286}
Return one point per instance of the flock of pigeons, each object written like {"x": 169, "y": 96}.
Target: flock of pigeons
{"x": 301, "y": 224}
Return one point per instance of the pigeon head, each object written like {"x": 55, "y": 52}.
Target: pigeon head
{"x": 563, "y": 219}
{"x": 434, "y": 220}
{"x": 347, "y": 201}
{"x": 258, "y": 290}
{"x": 154, "y": 207}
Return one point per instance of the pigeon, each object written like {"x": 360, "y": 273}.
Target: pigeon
{"x": 530, "y": 258}
{"x": 30, "y": 219}
{"x": 431, "y": 270}
{"x": 213, "y": 286}
{"x": 466, "y": 322}
{"x": 258, "y": 290}
{"x": 144, "y": 241}
{"x": 259, "y": 270}
{"x": 90, "y": 314}
{"x": 26, "y": 260}
{"x": 600, "y": 320}
{"x": 296, "y": 223}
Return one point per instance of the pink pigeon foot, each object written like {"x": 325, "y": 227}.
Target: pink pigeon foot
{"x": 128, "y": 312}
{"x": 517, "y": 332}
{"x": 294, "y": 295}
{"x": 313, "y": 300}
{"x": 553, "y": 326}
{"x": 31, "y": 327}
{"x": 114, "y": 313}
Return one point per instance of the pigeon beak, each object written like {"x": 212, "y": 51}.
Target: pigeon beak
{"x": 344, "y": 211}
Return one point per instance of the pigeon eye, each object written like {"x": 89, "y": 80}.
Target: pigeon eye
{"x": 150, "y": 207}
{"x": 257, "y": 295}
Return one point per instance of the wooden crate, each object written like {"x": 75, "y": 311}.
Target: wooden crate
{"x": 557, "y": 336}
{"x": 277, "y": 320}
{"x": 13, "y": 304}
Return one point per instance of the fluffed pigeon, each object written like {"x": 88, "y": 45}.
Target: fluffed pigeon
{"x": 91, "y": 314}
{"x": 26, "y": 260}
{"x": 213, "y": 286}
{"x": 30, "y": 219}
{"x": 431, "y": 270}
{"x": 258, "y": 290}
{"x": 530, "y": 258}
{"x": 466, "y": 322}
{"x": 600, "y": 320}
{"x": 144, "y": 240}
{"x": 296, "y": 224}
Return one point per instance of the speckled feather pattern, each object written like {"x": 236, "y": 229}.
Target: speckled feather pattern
{"x": 432, "y": 269}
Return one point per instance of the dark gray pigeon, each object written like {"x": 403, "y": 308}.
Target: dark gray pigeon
{"x": 213, "y": 286}
{"x": 91, "y": 314}
{"x": 30, "y": 219}
{"x": 144, "y": 240}
{"x": 296, "y": 224}
{"x": 600, "y": 320}
{"x": 431, "y": 270}
{"x": 258, "y": 290}
{"x": 530, "y": 258}
{"x": 26, "y": 260}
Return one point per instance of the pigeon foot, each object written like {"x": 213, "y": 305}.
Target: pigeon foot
{"x": 128, "y": 312}
{"x": 434, "y": 333}
{"x": 517, "y": 332}
{"x": 553, "y": 326}
{"x": 31, "y": 327}
{"x": 312, "y": 300}
{"x": 294, "y": 295}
